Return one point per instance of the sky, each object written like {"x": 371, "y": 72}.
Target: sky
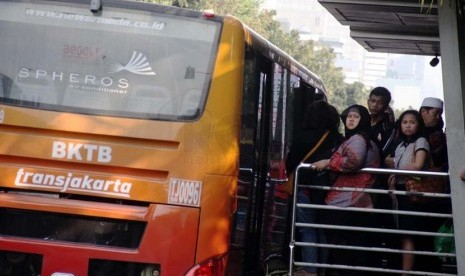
{"x": 406, "y": 93}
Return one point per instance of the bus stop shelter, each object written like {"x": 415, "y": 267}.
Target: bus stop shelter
{"x": 421, "y": 27}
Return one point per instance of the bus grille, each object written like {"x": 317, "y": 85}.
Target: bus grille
{"x": 71, "y": 228}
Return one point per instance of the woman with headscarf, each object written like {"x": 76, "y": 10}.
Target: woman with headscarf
{"x": 356, "y": 152}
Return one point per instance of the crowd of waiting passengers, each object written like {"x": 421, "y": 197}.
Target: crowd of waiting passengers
{"x": 373, "y": 138}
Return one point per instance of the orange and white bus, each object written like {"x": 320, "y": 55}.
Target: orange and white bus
{"x": 125, "y": 128}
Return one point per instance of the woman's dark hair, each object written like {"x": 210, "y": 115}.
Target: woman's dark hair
{"x": 421, "y": 125}
{"x": 321, "y": 115}
{"x": 363, "y": 127}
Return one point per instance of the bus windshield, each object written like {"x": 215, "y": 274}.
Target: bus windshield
{"x": 141, "y": 65}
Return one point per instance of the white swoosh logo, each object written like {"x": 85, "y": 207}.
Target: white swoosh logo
{"x": 138, "y": 64}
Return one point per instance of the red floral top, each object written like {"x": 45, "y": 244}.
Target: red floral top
{"x": 351, "y": 156}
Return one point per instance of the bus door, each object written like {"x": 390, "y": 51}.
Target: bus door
{"x": 273, "y": 107}
{"x": 291, "y": 96}
{"x": 257, "y": 103}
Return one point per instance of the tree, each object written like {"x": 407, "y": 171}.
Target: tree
{"x": 356, "y": 93}
{"x": 320, "y": 59}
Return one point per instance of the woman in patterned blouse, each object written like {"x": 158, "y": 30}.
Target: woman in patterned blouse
{"x": 356, "y": 152}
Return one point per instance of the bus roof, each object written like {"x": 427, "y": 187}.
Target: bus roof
{"x": 279, "y": 56}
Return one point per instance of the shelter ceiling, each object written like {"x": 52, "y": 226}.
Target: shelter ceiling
{"x": 403, "y": 27}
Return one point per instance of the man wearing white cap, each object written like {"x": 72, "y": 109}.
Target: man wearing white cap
{"x": 431, "y": 110}
{"x": 432, "y": 107}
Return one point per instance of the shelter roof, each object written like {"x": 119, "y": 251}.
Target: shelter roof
{"x": 390, "y": 26}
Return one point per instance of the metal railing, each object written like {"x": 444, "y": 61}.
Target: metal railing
{"x": 369, "y": 230}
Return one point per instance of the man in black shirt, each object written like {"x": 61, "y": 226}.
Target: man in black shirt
{"x": 381, "y": 126}
{"x": 383, "y": 133}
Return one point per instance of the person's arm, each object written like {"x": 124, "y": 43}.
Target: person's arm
{"x": 417, "y": 165}
{"x": 389, "y": 161}
{"x": 351, "y": 157}
{"x": 421, "y": 153}
{"x": 321, "y": 165}
{"x": 462, "y": 175}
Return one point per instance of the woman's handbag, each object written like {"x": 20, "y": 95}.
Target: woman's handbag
{"x": 423, "y": 184}
{"x": 289, "y": 188}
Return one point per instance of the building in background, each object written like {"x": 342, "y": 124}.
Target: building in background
{"x": 408, "y": 77}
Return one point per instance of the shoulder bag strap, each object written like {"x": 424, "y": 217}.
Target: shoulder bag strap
{"x": 312, "y": 151}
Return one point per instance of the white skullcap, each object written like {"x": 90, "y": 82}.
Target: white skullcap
{"x": 432, "y": 102}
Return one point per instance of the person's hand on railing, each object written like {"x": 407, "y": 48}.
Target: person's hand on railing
{"x": 320, "y": 165}
{"x": 389, "y": 161}
{"x": 392, "y": 186}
